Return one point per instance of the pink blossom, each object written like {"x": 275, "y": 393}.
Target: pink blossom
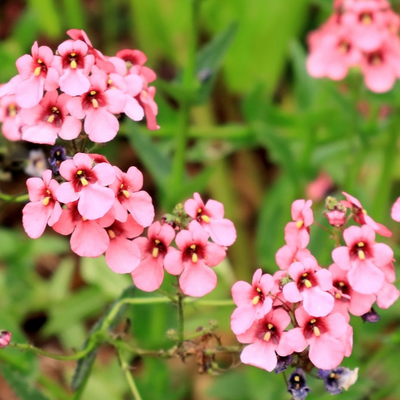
{"x": 48, "y": 119}
{"x": 89, "y": 238}
{"x": 127, "y": 191}
{"x": 387, "y": 295}
{"x": 346, "y": 298}
{"x": 97, "y": 106}
{"x": 336, "y": 218}
{"x": 5, "y": 339}
{"x": 10, "y": 118}
{"x": 361, "y": 217}
{"x": 211, "y": 217}
{"x": 37, "y": 73}
{"x": 252, "y": 301}
{"x": 318, "y": 188}
{"x": 328, "y": 338}
{"x": 310, "y": 285}
{"x": 87, "y": 184}
{"x": 395, "y": 212}
{"x": 123, "y": 254}
{"x": 193, "y": 259}
{"x": 363, "y": 258}
{"x": 266, "y": 337}
{"x": 286, "y": 256}
{"x": 149, "y": 274}
{"x": 44, "y": 208}
{"x": 297, "y": 233}
{"x": 146, "y": 100}
{"x": 76, "y": 64}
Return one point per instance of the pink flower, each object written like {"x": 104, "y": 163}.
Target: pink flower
{"x": 127, "y": 191}
{"x": 76, "y": 64}
{"x": 363, "y": 258}
{"x": 327, "y": 337}
{"x": 395, "y": 212}
{"x": 252, "y": 301}
{"x": 37, "y": 73}
{"x": 149, "y": 274}
{"x": 297, "y": 233}
{"x": 346, "y": 298}
{"x": 89, "y": 238}
{"x": 123, "y": 254}
{"x": 286, "y": 256}
{"x": 10, "y": 118}
{"x": 267, "y": 337}
{"x": 361, "y": 217}
{"x": 5, "y": 339}
{"x": 310, "y": 284}
{"x": 87, "y": 184}
{"x": 146, "y": 100}
{"x": 193, "y": 259}
{"x": 44, "y": 208}
{"x": 387, "y": 295}
{"x": 318, "y": 188}
{"x": 48, "y": 119}
{"x": 97, "y": 106}
{"x": 211, "y": 218}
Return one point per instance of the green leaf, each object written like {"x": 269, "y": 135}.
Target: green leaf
{"x": 47, "y": 16}
{"x": 209, "y": 60}
{"x": 84, "y": 365}
{"x": 156, "y": 162}
{"x": 20, "y": 386}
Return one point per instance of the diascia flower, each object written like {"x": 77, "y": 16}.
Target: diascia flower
{"x": 193, "y": 260}
{"x": 149, "y": 274}
{"x": 44, "y": 208}
{"x": 87, "y": 184}
{"x": 252, "y": 301}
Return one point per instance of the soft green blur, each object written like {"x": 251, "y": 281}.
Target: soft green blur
{"x": 258, "y": 134}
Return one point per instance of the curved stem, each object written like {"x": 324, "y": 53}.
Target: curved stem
{"x": 15, "y": 199}
{"x": 73, "y": 357}
{"x": 129, "y": 377}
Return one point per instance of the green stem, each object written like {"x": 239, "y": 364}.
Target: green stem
{"x": 73, "y": 357}
{"x": 129, "y": 377}
{"x": 181, "y": 320}
{"x": 14, "y": 199}
{"x": 218, "y": 303}
{"x": 189, "y": 84}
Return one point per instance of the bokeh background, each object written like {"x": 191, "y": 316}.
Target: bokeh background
{"x": 261, "y": 131}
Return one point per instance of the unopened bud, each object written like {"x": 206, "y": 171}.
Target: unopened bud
{"x": 5, "y": 339}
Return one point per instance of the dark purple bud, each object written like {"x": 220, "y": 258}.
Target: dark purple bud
{"x": 5, "y": 339}
{"x": 297, "y": 385}
{"x": 371, "y": 316}
{"x": 337, "y": 379}
{"x": 283, "y": 363}
{"x": 57, "y": 156}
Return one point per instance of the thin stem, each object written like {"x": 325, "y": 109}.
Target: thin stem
{"x": 181, "y": 320}
{"x": 129, "y": 377}
{"x": 73, "y": 357}
{"x": 218, "y": 303}
{"x": 14, "y": 199}
{"x": 323, "y": 227}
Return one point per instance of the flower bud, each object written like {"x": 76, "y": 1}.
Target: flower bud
{"x": 5, "y": 339}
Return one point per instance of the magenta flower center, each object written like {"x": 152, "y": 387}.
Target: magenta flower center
{"x": 342, "y": 289}
{"x": 314, "y": 328}
{"x": 306, "y": 280}
{"x": 268, "y": 333}
{"x": 157, "y": 247}
{"x": 365, "y": 18}
{"x": 193, "y": 253}
{"x": 259, "y": 296}
{"x": 360, "y": 250}
{"x": 344, "y": 47}
{"x": 53, "y": 116}
{"x": 83, "y": 177}
{"x": 375, "y": 58}
{"x": 73, "y": 61}
{"x": 40, "y": 67}
{"x": 93, "y": 99}
{"x": 124, "y": 190}
{"x": 12, "y": 110}
{"x": 201, "y": 216}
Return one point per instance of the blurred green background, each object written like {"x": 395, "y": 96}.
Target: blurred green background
{"x": 260, "y": 131}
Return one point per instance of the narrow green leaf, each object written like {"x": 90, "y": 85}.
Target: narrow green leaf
{"x": 20, "y": 386}
{"x": 209, "y": 60}
{"x": 156, "y": 162}
{"x": 84, "y": 365}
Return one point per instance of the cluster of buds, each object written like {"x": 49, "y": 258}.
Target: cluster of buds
{"x": 53, "y": 95}
{"x": 359, "y": 33}
{"x": 300, "y": 316}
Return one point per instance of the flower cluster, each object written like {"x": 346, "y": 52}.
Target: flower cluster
{"x": 195, "y": 253}
{"x": 359, "y": 33}
{"x": 301, "y": 314}
{"x": 53, "y": 95}
{"x": 105, "y": 211}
